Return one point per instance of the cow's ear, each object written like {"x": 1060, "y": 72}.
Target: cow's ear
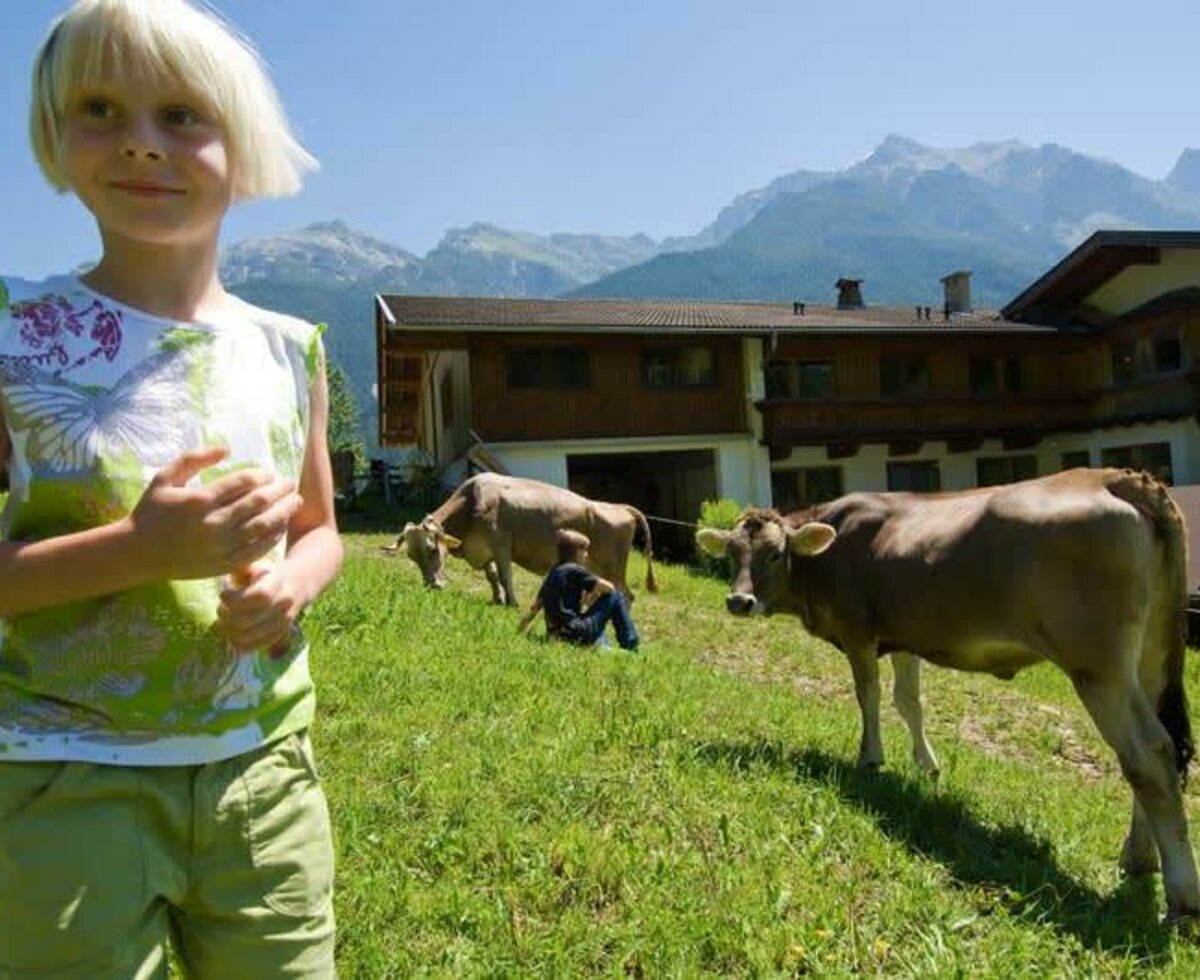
{"x": 451, "y": 541}
{"x": 811, "y": 539}
{"x": 712, "y": 541}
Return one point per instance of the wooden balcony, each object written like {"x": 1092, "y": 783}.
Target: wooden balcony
{"x": 964, "y": 422}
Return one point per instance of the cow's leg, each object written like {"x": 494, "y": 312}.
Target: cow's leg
{"x": 864, "y": 662}
{"x": 906, "y": 693}
{"x": 493, "y": 577}
{"x": 502, "y": 555}
{"x": 1147, "y": 756}
{"x": 1139, "y": 855}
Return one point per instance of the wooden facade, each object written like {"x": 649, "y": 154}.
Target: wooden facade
{"x": 1065, "y": 384}
{"x": 615, "y": 400}
{"x": 1108, "y": 338}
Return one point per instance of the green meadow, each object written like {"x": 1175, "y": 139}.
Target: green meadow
{"x": 508, "y": 807}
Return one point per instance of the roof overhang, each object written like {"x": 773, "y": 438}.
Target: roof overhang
{"x": 1101, "y": 257}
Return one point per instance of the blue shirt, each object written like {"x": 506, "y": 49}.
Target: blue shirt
{"x": 562, "y": 594}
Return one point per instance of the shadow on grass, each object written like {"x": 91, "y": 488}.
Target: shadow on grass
{"x": 1017, "y": 869}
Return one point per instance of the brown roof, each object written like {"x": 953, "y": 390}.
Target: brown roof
{"x": 683, "y": 316}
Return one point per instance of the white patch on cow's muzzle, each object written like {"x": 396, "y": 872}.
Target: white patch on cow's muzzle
{"x": 742, "y": 604}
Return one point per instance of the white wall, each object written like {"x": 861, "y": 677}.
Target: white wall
{"x": 742, "y": 466}
{"x": 867, "y": 469}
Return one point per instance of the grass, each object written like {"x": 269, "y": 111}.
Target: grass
{"x": 505, "y": 806}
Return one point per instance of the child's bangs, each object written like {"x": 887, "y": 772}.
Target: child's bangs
{"x": 98, "y": 47}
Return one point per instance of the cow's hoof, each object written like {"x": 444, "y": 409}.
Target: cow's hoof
{"x": 1183, "y": 919}
{"x": 870, "y": 765}
{"x": 1139, "y": 866}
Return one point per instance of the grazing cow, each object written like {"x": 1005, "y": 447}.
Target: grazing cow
{"x": 493, "y": 521}
{"x": 1085, "y": 569}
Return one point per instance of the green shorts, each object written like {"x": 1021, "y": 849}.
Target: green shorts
{"x": 233, "y": 861}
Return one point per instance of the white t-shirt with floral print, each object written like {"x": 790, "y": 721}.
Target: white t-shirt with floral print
{"x": 96, "y": 397}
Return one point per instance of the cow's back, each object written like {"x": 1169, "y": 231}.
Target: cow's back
{"x": 957, "y": 576}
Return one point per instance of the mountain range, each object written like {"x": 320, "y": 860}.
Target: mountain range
{"x": 899, "y": 219}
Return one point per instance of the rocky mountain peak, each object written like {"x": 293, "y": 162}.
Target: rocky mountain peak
{"x": 1185, "y": 175}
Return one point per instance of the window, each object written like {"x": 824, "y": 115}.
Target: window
{"x": 920, "y": 476}
{"x": 815, "y": 379}
{"x": 780, "y": 378}
{"x": 901, "y": 377}
{"x": 1076, "y": 457}
{"x": 1123, "y": 367}
{"x": 447, "y": 399}
{"x": 680, "y": 367}
{"x": 799, "y": 379}
{"x": 1014, "y": 378}
{"x": 554, "y": 367}
{"x": 796, "y": 489}
{"x": 1154, "y": 458}
{"x": 994, "y": 470}
{"x": 987, "y": 373}
{"x": 1168, "y": 355}
{"x": 983, "y": 377}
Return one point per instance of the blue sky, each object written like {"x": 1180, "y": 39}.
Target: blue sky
{"x": 624, "y": 116}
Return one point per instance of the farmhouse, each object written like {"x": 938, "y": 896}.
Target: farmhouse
{"x": 666, "y": 404}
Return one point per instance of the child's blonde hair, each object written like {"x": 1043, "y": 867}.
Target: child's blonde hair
{"x": 95, "y": 39}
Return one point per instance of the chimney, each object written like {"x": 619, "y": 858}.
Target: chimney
{"x": 849, "y": 295}
{"x": 957, "y": 288}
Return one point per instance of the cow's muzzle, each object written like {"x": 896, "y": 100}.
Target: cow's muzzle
{"x": 741, "y": 604}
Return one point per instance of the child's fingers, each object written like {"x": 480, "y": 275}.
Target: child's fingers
{"x": 186, "y": 465}
{"x": 274, "y": 520}
{"x": 237, "y": 486}
{"x": 253, "y": 505}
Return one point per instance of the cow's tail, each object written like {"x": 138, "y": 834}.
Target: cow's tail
{"x": 1155, "y": 502}
{"x": 651, "y": 582}
{"x": 1173, "y": 704}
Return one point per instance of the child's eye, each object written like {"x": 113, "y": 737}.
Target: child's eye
{"x": 180, "y": 115}
{"x": 97, "y": 108}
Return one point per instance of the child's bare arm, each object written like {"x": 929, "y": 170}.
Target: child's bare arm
{"x": 258, "y": 611}
{"x": 175, "y": 532}
{"x": 529, "y": 616}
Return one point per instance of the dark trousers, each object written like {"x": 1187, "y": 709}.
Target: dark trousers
{"x": 609, "y": 607}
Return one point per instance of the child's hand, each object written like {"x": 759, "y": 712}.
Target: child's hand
{"x": 258, "y": 609}
{"x": 190, "y": 533}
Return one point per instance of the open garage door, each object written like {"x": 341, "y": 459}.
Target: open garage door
{"x": 668, "y": 484}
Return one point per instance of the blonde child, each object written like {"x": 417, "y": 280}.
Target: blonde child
{"x": 170, "y": 517}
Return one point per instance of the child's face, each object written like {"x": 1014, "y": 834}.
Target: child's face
{"x": 147, "y": 160}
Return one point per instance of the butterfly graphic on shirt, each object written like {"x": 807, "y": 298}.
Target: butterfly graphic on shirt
{"x": 150, "y": 411}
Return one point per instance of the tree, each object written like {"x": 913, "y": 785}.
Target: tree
{"x": 343, "y": 431}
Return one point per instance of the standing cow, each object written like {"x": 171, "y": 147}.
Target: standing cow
{"x": 493, "y": 521}
{"x": 1085, "y": 569}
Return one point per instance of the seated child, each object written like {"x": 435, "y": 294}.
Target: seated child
{"x": 579, "y": 605}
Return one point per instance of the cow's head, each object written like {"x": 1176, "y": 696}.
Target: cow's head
{"x": 427, "y": 544}
{"x": 761, "y": 549}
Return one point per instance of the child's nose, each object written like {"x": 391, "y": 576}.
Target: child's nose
{"x": 142, "y": 139}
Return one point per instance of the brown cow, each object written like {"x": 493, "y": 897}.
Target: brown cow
{"x": 493, "y": 521}
{"x": 1085, "y": 569}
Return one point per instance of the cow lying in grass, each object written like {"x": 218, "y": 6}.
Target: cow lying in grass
{"x": 1085, "y": 569}
{"x": 492, "y": 521}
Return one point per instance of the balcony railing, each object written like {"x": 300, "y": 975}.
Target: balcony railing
{"x": 1023, "y": 418}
